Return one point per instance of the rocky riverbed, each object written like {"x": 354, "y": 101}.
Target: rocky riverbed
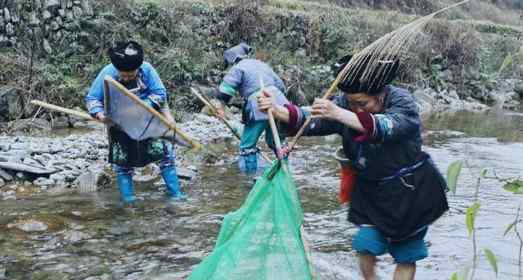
{"x": 68, "y": 154}
{"x": 75, "y": 159}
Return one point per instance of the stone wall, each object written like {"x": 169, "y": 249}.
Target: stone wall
{"x": 42, "y": 23}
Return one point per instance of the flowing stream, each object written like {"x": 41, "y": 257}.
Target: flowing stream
{"x": 89, "y": 236}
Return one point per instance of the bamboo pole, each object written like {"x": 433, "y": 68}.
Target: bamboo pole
{"x": 328, "y": 94}
{"x": 138, "y": 101}
{"x": 275, "y": 134}
{"x": 80, "y": 114}
{"x": 391, "y": 44}
{"x": 214, "y": 111}
{"x": 272, "y": 124}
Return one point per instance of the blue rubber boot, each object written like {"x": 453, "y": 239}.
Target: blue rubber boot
{"x": 125, "y": 184}
{"x": 173, "y": 186}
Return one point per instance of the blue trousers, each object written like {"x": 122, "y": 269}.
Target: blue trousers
{"x": 249, "y": 154}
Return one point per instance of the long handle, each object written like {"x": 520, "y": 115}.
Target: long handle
{"x": 138, "y": 101}
{"x": 214, "y": 111}
{"x": 275, "y": 134}
{"x": 80, "y": 114}
{"x": 328, "y": 94}
{"x": 272, "y": 124}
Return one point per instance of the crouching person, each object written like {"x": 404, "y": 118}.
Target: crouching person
{"x": 246, "y": 77}
{"x": 128, "y": 67}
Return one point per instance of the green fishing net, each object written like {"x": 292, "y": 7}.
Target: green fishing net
{"x": 262, "y": 239}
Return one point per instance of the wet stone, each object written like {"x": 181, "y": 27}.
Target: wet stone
{"x": 4, "y": 147}
{"x": 119, "y": 230}
{"x": 57, "y": 177}
{"x": 42, "y": 181}
{"x": 30, "y": 161}
{"x": 77, "y": 213}
{"x": 9, "y": 195}
{"x": 75, "y": 236}
{"x": 144, "y": 178}
{"x": 6, "y": 176}
{"x": 31, "y": 226}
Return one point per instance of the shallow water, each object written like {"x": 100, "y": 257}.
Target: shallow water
{"x": 160, "y": 242}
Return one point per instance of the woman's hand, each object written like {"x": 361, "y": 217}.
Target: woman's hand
{"x": 101, "y": 117}
{"x": 265, "y": 101}
{"x": 326, "y": 109}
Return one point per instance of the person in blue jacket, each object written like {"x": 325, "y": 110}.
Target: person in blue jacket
{"x": 129, "y": 68}
{"x": 246, "y": 77}
{"x": 399, "y": 191}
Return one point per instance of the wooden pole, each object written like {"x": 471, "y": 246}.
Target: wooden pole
{"x": 214, "y": 111}
{"x": 138, "y": 101}
{"x": 328, "y": 94}
{"x": 272, "y": 124}
{"x": 80, "y": 114}
{"x": 275, "y": 134}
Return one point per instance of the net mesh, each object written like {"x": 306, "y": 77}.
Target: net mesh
{"x": 261, "y": 239}
{"x": 131, "y": 118}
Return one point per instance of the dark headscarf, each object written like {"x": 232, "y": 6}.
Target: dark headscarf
{"x": 383, "y": 72}
{"x": 235, "y": 54}
{"x": 126, "y": 56}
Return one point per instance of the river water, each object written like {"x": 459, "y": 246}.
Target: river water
{"x": 91, "y": 237}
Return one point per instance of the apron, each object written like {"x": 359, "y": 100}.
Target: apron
{"x": 403, "y": 203}
{"x": 127, "y": 152}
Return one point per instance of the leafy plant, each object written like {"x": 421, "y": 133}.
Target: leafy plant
{"x": 453, "y": 172}
{"x": 515, "y": 186}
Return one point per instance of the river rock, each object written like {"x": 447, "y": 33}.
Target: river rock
{"x": 7, "y": 15}
{"x": 60, "y": 122}
{"x": 32, "y": 162}
{"x": 9, "y": 29}
{"x": 25, "y": 168}
{"x": 51, "y": 5}
{"x": 445, "y": 76}
{"x": 13, "y": 156}
{"x": 46, "y": 15}
{"x": 47, "y": 46}
{"x": 19, "y": 146}
{"x": 30, "y": 226}
{"x": 92, "y": 180}
{"x": 144, "y": 178}
{"x": 9, "y": 195}
{"x": 75, "y": 236}
{"x": 57, "y": 177}
{"x": 118, "y": 230}
{"x": 6, "y": 176}
{"x": 518, "y": 88}
{"x": 77, "y": 12}
{"x": 43, "y": 182}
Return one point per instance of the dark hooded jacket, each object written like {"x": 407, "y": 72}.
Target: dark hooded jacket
{"x": 406, "y": 202}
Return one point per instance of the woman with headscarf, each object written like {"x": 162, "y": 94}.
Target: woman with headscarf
{"x": 398, "y": 190}
{"x": 129, "y": 68}
{"x": 245, "y": 77}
